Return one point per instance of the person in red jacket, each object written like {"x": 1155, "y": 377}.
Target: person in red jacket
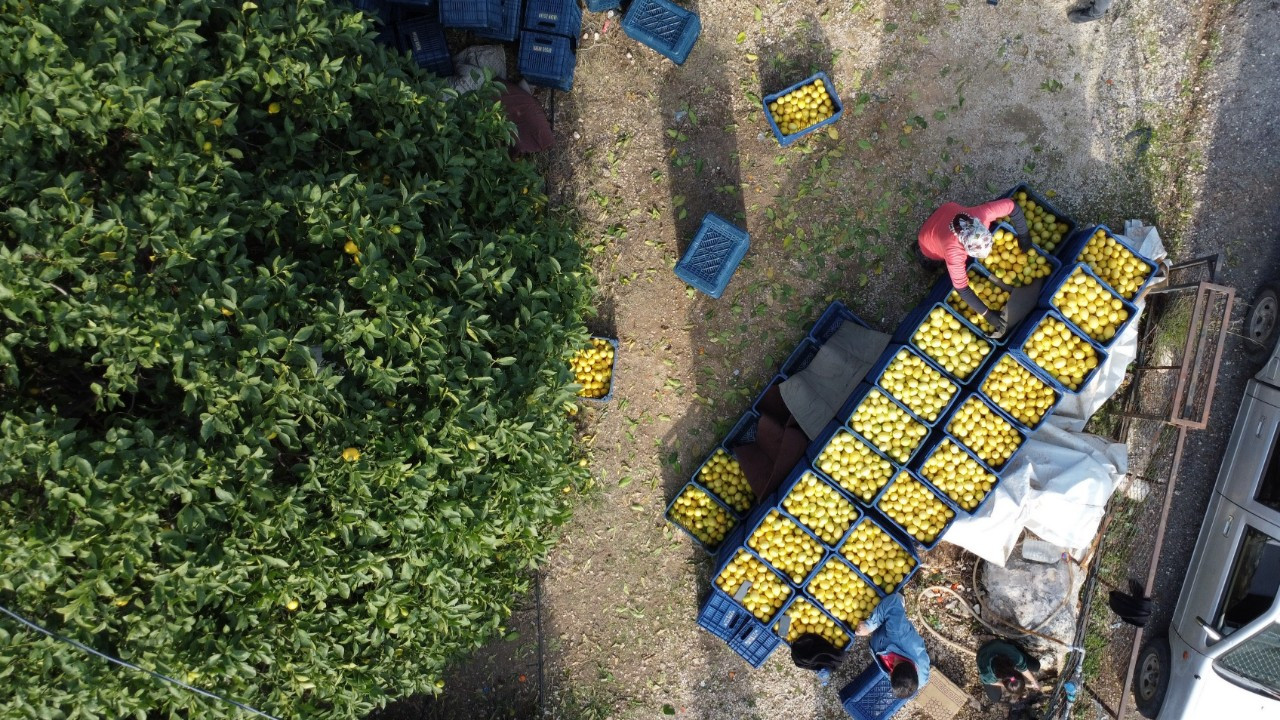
{"x": 954, "y": 233}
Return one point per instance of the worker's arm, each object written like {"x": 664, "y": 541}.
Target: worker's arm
{"x": 988, "y": 213}
{"x": 1031, "y": 680}
{"x": 975, "y": 303}
{"x": 891, "y": 605}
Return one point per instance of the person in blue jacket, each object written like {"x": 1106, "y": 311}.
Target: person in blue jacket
{"x": 896, "y": 646}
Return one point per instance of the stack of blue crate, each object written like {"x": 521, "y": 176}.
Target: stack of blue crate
{"x": 548, "y": 42}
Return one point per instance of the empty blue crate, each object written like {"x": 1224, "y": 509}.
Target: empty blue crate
{"x": 711, "y": 260}
{"x": 785, "y": 139}
{"x": 721, "y": 616}
{"x": 558, "y": 17}
{"x": 423, "y": 38}
{"x": 664, "y": 26}
{"x": 602, "y": 5}
{"x": 505, "y": 17}
{"x": 836, "y": 315}
{"x": 870, "y": 696}
{"x": 743, "y": 433}
{"x": 754, "y": 643}
{"x": 800, "y": 358}
{"x": 547, "y": 60}
{"x": 470, "y": 14}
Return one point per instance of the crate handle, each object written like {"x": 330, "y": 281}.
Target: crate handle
{"x": 742, "y": 590}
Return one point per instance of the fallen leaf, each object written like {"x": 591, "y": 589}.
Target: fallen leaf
{"x": 833, "y": 133}
{"x": 742, "y": 37}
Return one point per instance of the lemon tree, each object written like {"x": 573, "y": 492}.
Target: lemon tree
{"x": 284, "y": 336}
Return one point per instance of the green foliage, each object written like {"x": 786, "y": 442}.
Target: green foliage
{"x": 187, "y": 350}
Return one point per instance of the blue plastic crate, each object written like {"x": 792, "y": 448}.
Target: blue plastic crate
{"x": 1051, "y": 260}
{"x": 981, "y": 381}
{"x": 602, "y": 5}
{"x": 711, "y": 260}
{"x": 911, "y": 322}
{"x": 733, "y": 545}
{"x": 1039, "y": 200}
{"x": 743, "y": 432}
{"x": 961, "y": 381}
{"x": 470, "y": 14}
{"x": 1051, "y": 289}
{"x": 940, "y": 440}
{"x": 903, "y": 531}
{"x": 709, "y": 549}
{"x": 799, "y": 472}
{"x": 696, "y": 478}
{"x": 415, "y": 4}
{"x": 800, "y": 358}
{"x": 983, "y": 272}
{"x": 856, "y": 397}
{"x": 775, "y": 626}
{"x": 806, "y": 593}
{"x": 423, "y": 38}
{"x": 830, "y": 321}
{"x": 995, "y": 410}
{"x": 557, "y": 17}
{"x": 758, "y": 516}
{"x": 547, "y": 60}
{"x": 820, "y": 443}
{"x": 1074, "y": 246}
{"x": 1019, "y": 339}
{"x": 613, "y": 372}
{"x": 905, "y": 542}
{"x": 506, "y": 19}
{"x": 721, "y": 616}
{"x": 870, "y": 695}
{"x": 664, "y": 26}
{"x": 891, "y": 354}
{"x": 754, "y": 643}
{"x": 785, "y": 140}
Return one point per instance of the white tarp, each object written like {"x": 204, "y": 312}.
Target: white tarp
{"x": 1058, "y": 485}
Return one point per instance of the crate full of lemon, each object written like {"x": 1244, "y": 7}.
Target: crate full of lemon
{"x": 702, "y": 515}
{"x": 592, "y": 368}
{"x": 802, "y": 108}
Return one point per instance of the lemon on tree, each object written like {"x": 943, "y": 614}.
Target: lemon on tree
{"x": 1090, "y": 306}
{"x": 991, "y": 295}
{"x": 785, "y": 546}
{"x": 952, "y": 471}
{"x": 913, "y": 506}
{"x": 984, "y": 432}
{"x": 887, "y": 426}
{"x": 1113, "y": 262}
{"x": 1010, "y": 264}
{"x": 723, "y": 476}
{"x": 912, "y": 382}
{"x": 593, "y": 368}
{"x": 1018, "y": 391}
{"x": 702, "y": 516}
{"x": 807, "y": 619}
{"x": 768, "y": 592}
{"x": 854, "y": 465}
{"x": 878, "y": 556}
{"x": 842, "y": 593}
{"x": 819, "y": 507}
{"x": 952, "y": 345}
{"x": 1062, "y": 353}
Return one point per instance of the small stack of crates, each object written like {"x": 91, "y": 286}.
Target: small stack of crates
{"x": 493, "y": 19}
{"x": 420, "y": 34}
{"x": 548, "y": 43}
{"x": 664, "y": 26}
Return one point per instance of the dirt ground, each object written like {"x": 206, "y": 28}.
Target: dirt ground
{"x": 943, "y": 101}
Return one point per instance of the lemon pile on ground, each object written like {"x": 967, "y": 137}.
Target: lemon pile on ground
{"x": 854, "y": 466}
{"x": 723, "y": 476}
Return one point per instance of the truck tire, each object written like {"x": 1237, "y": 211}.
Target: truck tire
{"x": 1151, "y": 677}
{"x": 1260, "y": 325}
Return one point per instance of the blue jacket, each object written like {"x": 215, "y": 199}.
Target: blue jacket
{"x": 893, "y": 632}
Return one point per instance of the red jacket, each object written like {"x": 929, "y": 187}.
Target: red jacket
{"x": 937, "y": 242}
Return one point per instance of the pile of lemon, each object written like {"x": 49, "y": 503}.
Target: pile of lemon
{"x": 952, "y": 471}
{"x": 983, "y": 431}
{"x": 877, "y": 555}
{"x": 1018, "y": 391}
{"x": 991, "y": 295}
{"x": 803, "y": 107}
{"x": 768, "y": 592}
{"x": 723, "y": 476}
{"x": 1113, "y": 262}
{"x": 1065, "y": 355}
{"x": 819, "y": 507}
{"x": 1046, "y": 230}
{"x": 1090, "y": 307}
{"x": 854, "y": 466}
{"x": 887, "y": 426}
{"x": 593, "y": 368}
{"x": 845, "y": 595}
{"x": 952, "y": 345}
{"x": 913, "y": 506}
{"x": 1012, "y": 266}
{"x": 785, "y": 546}
{"x": 807, "y": 619}
{"x": 912, "y": 382}
{"x": 698, "y": 513}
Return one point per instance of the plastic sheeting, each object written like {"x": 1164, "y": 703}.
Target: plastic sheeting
{"x": 1059, "y": 485}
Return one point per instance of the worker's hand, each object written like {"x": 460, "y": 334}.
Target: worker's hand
{"x": 1033, "y": 684}
{"x": 997, "y": 321}
{"x": 863, "y": 629}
